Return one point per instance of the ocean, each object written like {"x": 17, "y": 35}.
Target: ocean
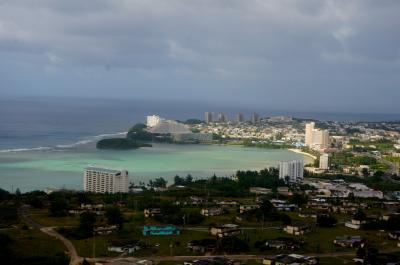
{"x": 49, "y": 122}
{"x": 48, "y": 142}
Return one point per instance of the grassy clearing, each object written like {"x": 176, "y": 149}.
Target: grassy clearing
{"x": 31, "y": 242}
{"x": 46, "y": 220}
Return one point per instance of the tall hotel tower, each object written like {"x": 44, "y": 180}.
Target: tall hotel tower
{"x": 208, "y": 117}
{"x": 103, "y": 180}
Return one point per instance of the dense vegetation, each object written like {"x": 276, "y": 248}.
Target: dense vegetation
{"x": 136, "y": 137}
{"x": 269, "y": 145}
{"x": 138, "y": 133}
{"x": 119, "y": 143}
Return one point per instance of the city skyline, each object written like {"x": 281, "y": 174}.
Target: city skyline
{"x": 303, "y": 55}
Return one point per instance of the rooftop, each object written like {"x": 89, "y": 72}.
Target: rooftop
{"x": 105, "y": 170}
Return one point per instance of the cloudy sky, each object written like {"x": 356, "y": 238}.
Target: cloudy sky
{"x": 311, "y": 55}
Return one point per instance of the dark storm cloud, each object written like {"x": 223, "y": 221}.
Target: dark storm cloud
{"x": 279, "y": 54}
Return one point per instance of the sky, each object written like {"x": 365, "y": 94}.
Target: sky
{"x": 306, "y": 55}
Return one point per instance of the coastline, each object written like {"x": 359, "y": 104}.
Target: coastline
{"x": 303, "y": 153}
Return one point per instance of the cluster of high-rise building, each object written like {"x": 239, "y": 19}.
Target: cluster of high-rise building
{"x": 316, "y": 139}
{"x": 223, "y": 118}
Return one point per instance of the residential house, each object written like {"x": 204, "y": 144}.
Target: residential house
{"x": 105, "y": 230}
{"x": 211, "y": 211}
{"x": 203, "y": 245}
{"x": 151, "y": 212}
{"x": 297, "y": 229}
{"x": 248, "y": 207}
{"x": 349, "y": 241}
{"x": 354, "y": 224}
{"x": 225, "y": 230}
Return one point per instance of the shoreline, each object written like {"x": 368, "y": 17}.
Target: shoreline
{"x": 298, "y": 151}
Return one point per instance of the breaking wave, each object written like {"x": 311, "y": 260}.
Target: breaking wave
{"x": 59, "y": 147}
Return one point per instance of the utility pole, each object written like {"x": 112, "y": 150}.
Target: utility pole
{"x": 94, "y": 244}
{"x": 262, "y": 228}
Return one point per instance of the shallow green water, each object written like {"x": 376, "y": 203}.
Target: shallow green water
{"x": 41, "y": 169}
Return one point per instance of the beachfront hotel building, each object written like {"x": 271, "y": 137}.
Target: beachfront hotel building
{"x": 315, "y": 138}
{"x": 153, "y": 120}
{"x": 324, "y": 162}
{"x": 104, "y": 180}
{"x": 291, "y": 171}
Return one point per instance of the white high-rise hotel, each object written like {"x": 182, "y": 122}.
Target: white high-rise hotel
{"x": 316, "y": 138}
{"x": 291, "y": 171}
{"x": 103, "y": 180}
{"x": 153, "y": 120}
{"x": 324, "y": 161}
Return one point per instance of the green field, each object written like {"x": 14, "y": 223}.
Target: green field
{"x": 32, "y": 242}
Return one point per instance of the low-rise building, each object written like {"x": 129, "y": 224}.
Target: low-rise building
{"x": 248, "y": 207}
{"x": 151, "y": 212}
{"x": 211, "y": 211}
{"x": 297, "y": 229}
{"x": 203, "y": 245}
{"x": 105, "y": 230}
{"x": 354, "y": 224}
{"x": 349, "y": 241}
{"x": 225, "y": 230}
{"x": 283, "y": 244}
{"x": 290, "y": 259}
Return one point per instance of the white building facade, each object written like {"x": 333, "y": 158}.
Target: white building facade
{"x": 315, "y": 138}
{"x": 291, "y": 171}
{"x": 103, "y": 180}
{"x": 324, "y": 162}
{"x": 153, "y": 120}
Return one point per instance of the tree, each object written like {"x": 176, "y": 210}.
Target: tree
{"x": 86, "y": 223}
{"x": 232, "y": 244}
{"x": 365, "y": 172}
{"x": 114, "y": 216}
{"x": 298, "y": 199}
{"x": 360, "y": 215}
{"x": 158, "y": 183}
{"x": 361, "y": 253}
{"x": 266, "y": 206}
{"x": 131, "y": 186}
{"x": 326, "y": 220}
{"x": 188, "y": 179}
{"x": 178, "y": 181}
{"x": 59, "y": 206}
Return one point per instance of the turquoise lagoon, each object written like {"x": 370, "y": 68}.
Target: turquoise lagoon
{"x": 30, "y": 170}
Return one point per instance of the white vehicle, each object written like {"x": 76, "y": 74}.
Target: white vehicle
{"x": 358, "y": 260}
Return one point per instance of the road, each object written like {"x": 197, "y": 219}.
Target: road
{"x": 23, "y": 212}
